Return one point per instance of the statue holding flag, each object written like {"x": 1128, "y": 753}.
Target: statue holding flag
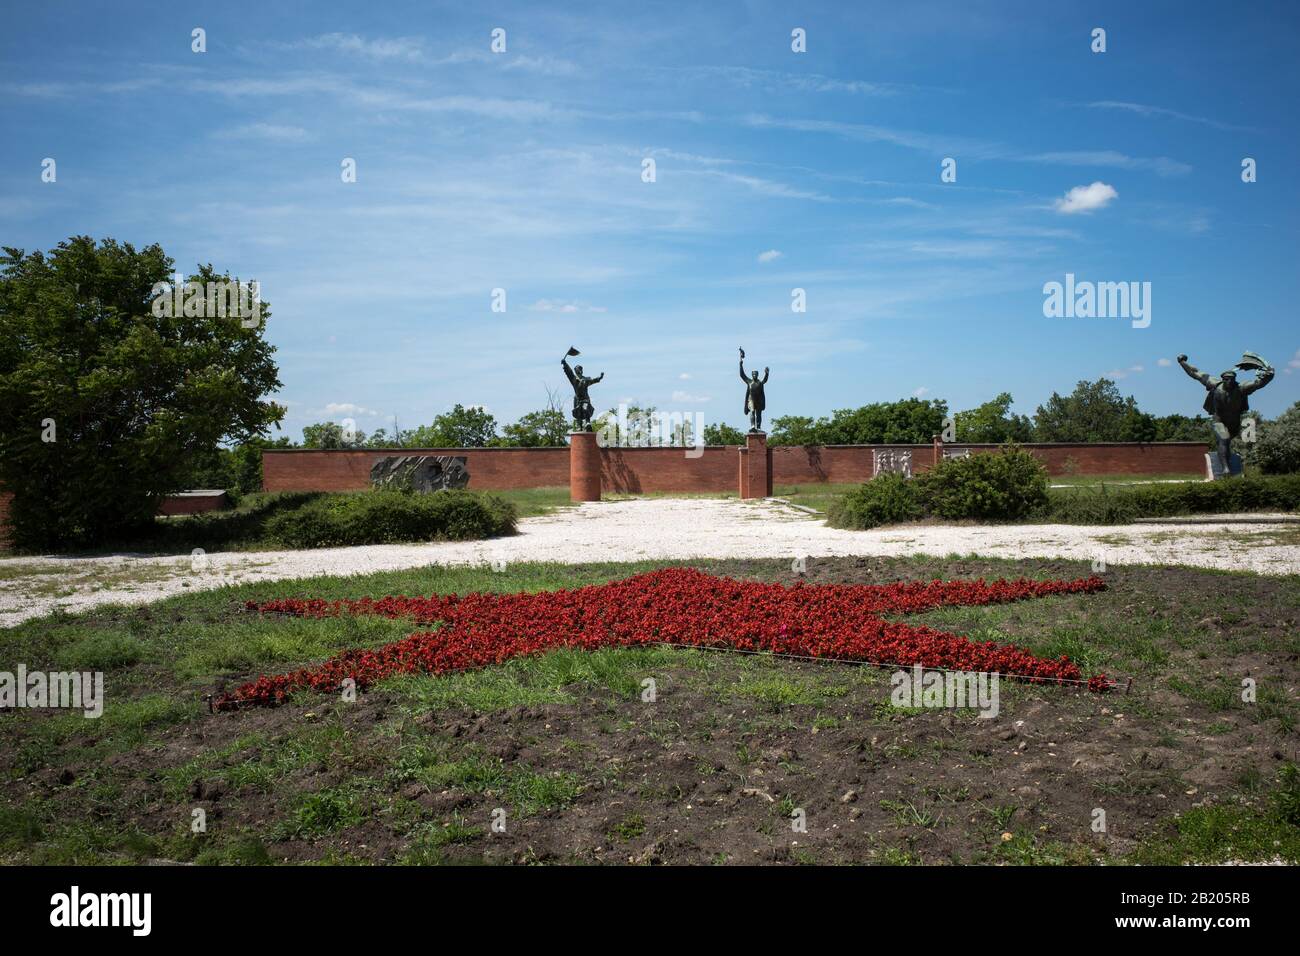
{"x": 582, "y": 407}
{"x": 1225, "y": 402}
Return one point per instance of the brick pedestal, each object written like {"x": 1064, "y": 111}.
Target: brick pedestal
{"x": 755, "y": 467}
{"x": 584, "y": 467}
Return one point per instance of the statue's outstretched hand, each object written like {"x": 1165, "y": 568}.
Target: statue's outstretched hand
{"x": 1182, "y": 358}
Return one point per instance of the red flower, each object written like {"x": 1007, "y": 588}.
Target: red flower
{"x": 678, "y": 606}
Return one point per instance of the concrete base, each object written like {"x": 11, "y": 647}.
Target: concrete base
{"x": 1214, "y": 467}
{"x": 584, "y": 467}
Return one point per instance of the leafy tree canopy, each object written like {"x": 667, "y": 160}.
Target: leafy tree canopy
{"x": 106, "y": 399}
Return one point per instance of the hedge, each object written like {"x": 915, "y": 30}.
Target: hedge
{"x": 389, "y": 517}
{"x": 1122, "y": 504}
{"x": 1012, "y": 486}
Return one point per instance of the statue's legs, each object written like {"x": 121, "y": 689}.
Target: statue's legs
{"x": 1223, "y": 438}
{"x": 756, "y": 421}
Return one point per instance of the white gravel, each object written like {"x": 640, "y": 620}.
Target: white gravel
{"x": 645, "y": 528}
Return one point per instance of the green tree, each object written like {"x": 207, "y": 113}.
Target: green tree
{"x": 1183, "y": 428}
{"x": 993, "y": 423}
{"x": 462, "y": 427}
{"x": 547, "y": 427}
{"x": 1093, "y": 412}
{"x": 797, "y": 430}
{"x": 331, "y": 435}
{"x": 106, "y": 395}
{"x": 723, "y": 434}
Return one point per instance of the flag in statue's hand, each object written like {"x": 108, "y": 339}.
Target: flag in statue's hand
{"x": 573, "y": 351}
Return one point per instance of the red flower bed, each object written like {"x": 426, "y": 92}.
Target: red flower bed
{"x": 679, "y": 606}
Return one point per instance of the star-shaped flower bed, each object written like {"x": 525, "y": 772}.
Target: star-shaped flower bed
{"x": 677, "y": 606}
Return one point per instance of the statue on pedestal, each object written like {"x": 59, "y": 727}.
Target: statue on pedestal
{"x": 755, "y": 400}
{"x": 1225, "y": 400}
{"x": 582, "y": 407}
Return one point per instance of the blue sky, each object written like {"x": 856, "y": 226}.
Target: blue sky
{"x": 775, "y": 170}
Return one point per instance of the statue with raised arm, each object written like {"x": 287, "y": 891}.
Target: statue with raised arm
{"x": 1225, "y": 400}
{"x": 582, "y": 407}
{"x": 755, "y": 400}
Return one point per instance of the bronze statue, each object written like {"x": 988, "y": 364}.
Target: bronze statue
{"x": 755, "y": 401}
{"x": 582, "y": 407}
{"x": 1226, "y": 400}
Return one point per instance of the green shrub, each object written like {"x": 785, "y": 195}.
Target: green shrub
{"x": 387, "y": 517}
{"x": 1122, "y": 504}
{"x": 1000, "y": 486}
{"x": 888, "y": 499}
{"x": 1278, "y": 450}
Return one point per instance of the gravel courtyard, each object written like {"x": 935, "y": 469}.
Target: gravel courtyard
{"x": 641, "y": 529}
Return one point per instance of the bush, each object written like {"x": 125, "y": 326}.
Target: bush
{"x": 1006, "y": 485}
{"x": 388, "y": 517}
{"x": 889, "y": 499}
{"x": 1278, "y": 450}
{"x": 1120, "y": 505}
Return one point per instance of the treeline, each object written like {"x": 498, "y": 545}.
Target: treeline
{"x": 1093, "y": 412}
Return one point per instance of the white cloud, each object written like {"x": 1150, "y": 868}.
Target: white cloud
{"x": 561, "y": 305}
{"x": 348, "y": 408}
{"x": 1164, "y": 362}
{"x": 685, "y": 376}
{"x": 1294, "y": 363}
{"x": 1086, "y": 198}
{"x": 1116, "y": 374}
{"x": 686, "y": 398}
{"x": 921, "y": 392}
{"x": 770, "y": 256}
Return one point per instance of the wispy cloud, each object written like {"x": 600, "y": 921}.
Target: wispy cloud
{"x": 771, "y": 255}
{"x": 1142, "y": 109}
{"x": 750, "y": 78}
{"x": 1162, "y": 165}
{"x": 863, "y": 132}
{"x": 399, "y": 48}
{"x": 1116, "y": 374}
{"x": 270, "y": 131}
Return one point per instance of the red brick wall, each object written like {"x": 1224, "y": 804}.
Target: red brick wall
{"x": 489, "y": 468}
{"x": 854, "y": 463}
{"x": 648, "y": 470}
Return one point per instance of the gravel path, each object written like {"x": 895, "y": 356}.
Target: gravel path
{"x": 645, "y": 528}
